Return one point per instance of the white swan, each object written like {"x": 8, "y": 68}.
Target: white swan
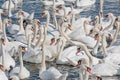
{"x": 5, "y": 59}
{"x": 51, "y": 73}
{"x": 20, "y": 71}
{"x": 83, "y": 3}
{"x": 6, "y": 4}
{"x": 3, "y": 76}
{"x": 49, "y": 3}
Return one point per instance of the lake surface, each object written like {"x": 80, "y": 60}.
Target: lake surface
{"x": 30, "y": 6}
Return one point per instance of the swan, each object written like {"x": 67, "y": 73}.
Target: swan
{"x": 83, "y": 3}
{"x": 20, "y": 71}
{"x": 49, "y": 3}
{"x": 3, "y": 76}
{"x": 16, "y": 2}
{"x": 25, "y": 15}
{"x": 9, "y": 46}
{"x": 51, "y": 73}
{"x": 1, "y": 12}
{"x": 13, "y": 77}
{"x": 5, "y": 59}
{"x": 6, "y": 4}
{"x": 20, "y": 36}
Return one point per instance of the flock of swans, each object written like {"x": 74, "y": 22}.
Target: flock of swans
{"x": 87, "y": 45}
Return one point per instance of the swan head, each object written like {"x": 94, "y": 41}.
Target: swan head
{"x": 89, "y": 70}
{"x": 3, "y": 41}
{"x": 57, "y": 41}
{"x": 96, "y": 36}
{"x": 37, "y": 22}
{"x": 96, "y": 19}
{"x": 3, "y": 11}
{"x": 99, "y": 78}
{"x": 2, "y": 67}
{"x": 109, "y": 15}
{"x": 21, "y": 13}
{"x": 44, "y": 13}
{"x": 22, "y": 48}
{"x": 79, "y": 63}
{"x": 78, "y": 50}
{"x": 6, "y": 21}
{"x": 52, "y": 41}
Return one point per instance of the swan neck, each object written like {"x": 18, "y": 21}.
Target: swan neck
{"x": 21, "y": 61}
{"x": 35, "y": 33}
{"x": 85, "y": 27}
{"x": 3, "y": 55}
{"x": 21, "y": 24}
{"x": 43, "y": 65}
{"x": 29, "y": 41}
{"x": 39, "y": 40}
{"x": 9, "y": 9}
{"x": 89, "y": 55}
{"x": 116, "y": 33}
{"x": 112, "y": 22}
{"x": 4, "y": 32}
{"x": 97, "y": 44}
{"x": 104, "y": 44}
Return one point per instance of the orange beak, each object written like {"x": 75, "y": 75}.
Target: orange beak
{"x": 52, "y": 41}
{"x": 89, "y": 70}
{"x": 39, "y": 24}
{"x": 42, "y": 15}
{"x": 57, "y": 41}
{"x": 78, "y": 50}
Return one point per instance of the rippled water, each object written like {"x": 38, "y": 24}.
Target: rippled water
{"x": 35, "y": 6}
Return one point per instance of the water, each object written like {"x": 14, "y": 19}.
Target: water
{"x": 35, "y": 6}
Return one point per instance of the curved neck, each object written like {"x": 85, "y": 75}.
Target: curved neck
{"x": 39, "y": 40}
{"x": 97, "y": 45}
{"x": 43, "y": 65}
{"x": 9, "y": 9}
{"x": 61, "y": 48}
{"x": 3, "y": 54}
{"x": 21, "y": 61}
{"x": 85, "y": 30}
{"x": 116, "y": 33}
{"x": 64, "y": 10}
{"x": 104, "y": 44}
{"x": 101, "y": 5}
{"x": 86, "y": 75}
{"x": 35, "y": 33}
{"x": 21, "y": 24}
{"x": 54, "y": 16}
{"x": 0, "y": 22}
{"x": 81, "y": 44}
{"x": 26, "y": 33}
{"x": 111, "y": 24}
{"x": 4, "y": 31}
{"x": 29, "y": 41}
{"x": 77, "y": 2}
